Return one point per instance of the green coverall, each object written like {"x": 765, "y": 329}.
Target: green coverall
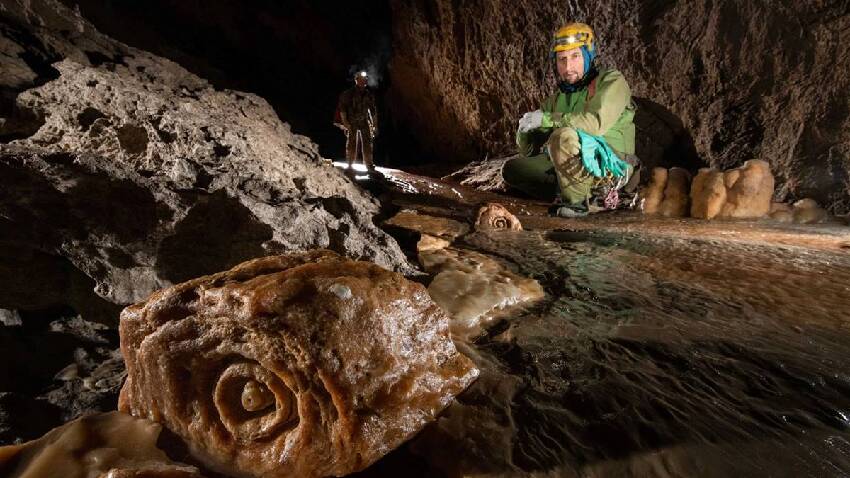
{"x": 609, "y": 113}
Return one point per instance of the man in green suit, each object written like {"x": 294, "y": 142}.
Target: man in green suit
{"x": 563, "y": 145}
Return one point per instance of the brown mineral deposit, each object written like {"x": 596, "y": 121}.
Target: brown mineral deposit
{"x": 304, "y": 365}
{"x": 494, "y": 216}
{"x": 676, "y": 200}
{"x": 441, "y": 227}
{"x": 653, "y": 193}
{"x": 807, "y": 211}
{"x": 708, "y": 194}
{"x": 428, "y": 242}
{"x": 472, "y": 288}
{"x": 744, "y": 192}
{"x": 749, "y": 190}
{"x": 110, "y": 445}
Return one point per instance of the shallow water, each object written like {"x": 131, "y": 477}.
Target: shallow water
{"x": 658, "y": 356}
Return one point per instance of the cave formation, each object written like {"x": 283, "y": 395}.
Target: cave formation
{"x": 152, "y": 153}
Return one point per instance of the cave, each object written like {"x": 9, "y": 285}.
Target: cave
{"x": 195, "y": 283}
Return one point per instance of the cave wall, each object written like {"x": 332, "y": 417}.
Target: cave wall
{"x": 717, "y": 82}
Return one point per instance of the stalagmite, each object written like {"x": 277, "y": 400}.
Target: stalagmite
{"x": 667, "y": 193}
{"x": 744, "y": 192}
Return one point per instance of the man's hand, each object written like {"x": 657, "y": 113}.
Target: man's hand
{"x": 535, "y": 120}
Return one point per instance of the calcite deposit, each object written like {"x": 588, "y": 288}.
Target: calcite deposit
{"x": 109, "y": 445}
{"x": 494, "y": 216}
{"x": 472, "y": 288}
{"x": 305, "y": 365}
{"x": 743, "y": 192}
{"x": 667, "y": 193}
{"x": 804, "y": 211}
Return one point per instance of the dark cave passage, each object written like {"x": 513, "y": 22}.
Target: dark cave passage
{"x": 296, "y": 54}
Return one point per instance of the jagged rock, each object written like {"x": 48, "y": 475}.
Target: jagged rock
{"x": 141, "y": 175}
{"x": 706, "y": 76}
{"x": 56, "y": 371}
{"x": 743, "y": 192}
{"x": 109, "y": 445}
{"x": 483, "y": 175}
{"x": 301, "y": 365}
{"x": 494, "y": 216}
{"x": 10, "y": 318}
{"x": 667, "y": 193}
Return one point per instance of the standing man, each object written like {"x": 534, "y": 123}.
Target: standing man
{"x": 581, "y": 142}
{"x": 357, "y": 115}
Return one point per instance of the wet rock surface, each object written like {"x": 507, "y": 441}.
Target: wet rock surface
{"x": 662, "y": 347}
{"x": 474, "y": 288}
{"x": 299, "y": 365}
{"x": 111, "y": 445}
{"x": 649, "y": 345}
{"x": 136, "y": 174}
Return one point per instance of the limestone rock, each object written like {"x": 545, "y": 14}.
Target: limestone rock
{"x": 667, "y": 193}
{"x": 441, "y": 227}
{"x": 109, "y": 445}
{"x": 807, "y": 211}
{"x": 472, "y": 288}
{"x": 804, "y": 211}
{"x": 495, "y": 217}
{"x": 708, "y": 194}
{"x": 428, "y": 243}
{"x": 302, "y": 365}
{"x": 139, "y": 174}
{"x": 653, "y": 192}
{"x": 781, "y": 212}
{"x": 743, "y": 192}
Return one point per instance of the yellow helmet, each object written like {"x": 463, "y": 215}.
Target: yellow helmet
{"x": 572, "y": 36}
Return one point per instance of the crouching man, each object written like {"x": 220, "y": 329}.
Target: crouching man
{"x": 579, "y": 146}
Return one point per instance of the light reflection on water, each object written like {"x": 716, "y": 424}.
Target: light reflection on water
{"x": 657, "y": 357}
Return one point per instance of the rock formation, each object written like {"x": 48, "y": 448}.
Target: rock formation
{"x": 804, "y": 211}
{"x": 110, "y": 445}
{"x": 743, "y": 192}
{"x": 472, "y": 288}
{"x": 484, "y": 175}
{"x": 711, "y": 80}
{"x": 495, "y": 217}
{"x": 130, "y": 172}
{"x": 667, "y": 193}
{"x": 299, "y": 365}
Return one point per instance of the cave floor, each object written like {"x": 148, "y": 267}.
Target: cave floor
{"x": 663, "y": 347}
